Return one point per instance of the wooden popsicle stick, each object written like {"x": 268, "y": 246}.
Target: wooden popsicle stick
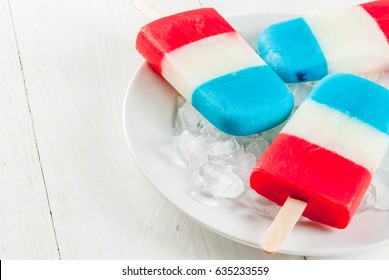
{"x": 147, "y": 9}
{"x": 282, "y": 225}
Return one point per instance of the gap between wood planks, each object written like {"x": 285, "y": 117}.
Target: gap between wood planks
{"x": 33, "y": 124}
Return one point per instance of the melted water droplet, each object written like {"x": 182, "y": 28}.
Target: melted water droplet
{"x": 204, "y": 198}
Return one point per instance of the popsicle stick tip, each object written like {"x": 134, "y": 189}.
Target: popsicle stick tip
{"x": 268, "y": 252}
{"x": 282, "y": 225}
{"x": 148, "y": 9}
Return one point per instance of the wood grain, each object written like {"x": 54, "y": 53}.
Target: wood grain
{"x": 26, "y": 229}
{"x": 65, "y": 69}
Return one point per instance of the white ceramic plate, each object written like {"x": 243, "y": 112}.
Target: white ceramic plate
{"x": 149, "y": 110}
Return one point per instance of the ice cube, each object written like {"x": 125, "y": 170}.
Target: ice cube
{"x": 258, "y": 147}
{"x": 219, "y": 148}
{"x": 191, "y": 149}
{"x": 219, "y": 180}
{"x": 270, "y": 134}
{"x": 241, "y": 163}
{"x": 253, "y": 201}
{"x": 300, "y": 91}
{"x": 208, "y": 130}
{"x": 380, "y": 182}
{"x": 369, "y": 199}
{"x": 244, "y": 141}
{"x": 188, "y": 118}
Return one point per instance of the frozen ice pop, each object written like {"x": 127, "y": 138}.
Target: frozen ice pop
{"x": 210, "y": 64}
{"x": 352, "y": 40}
{"x": 327, "y": 152}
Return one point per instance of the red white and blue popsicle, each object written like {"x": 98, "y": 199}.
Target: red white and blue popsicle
{"x": 328, "y": 151}
{"x": 352, "y": 40}
{"x": 201, "y": 55}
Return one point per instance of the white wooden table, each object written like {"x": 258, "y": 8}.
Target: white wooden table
{"x": 69, "y": 187}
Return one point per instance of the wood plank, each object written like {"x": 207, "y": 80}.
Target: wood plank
{"x": 78, "y": 59}
{"x": 26, "y": 229}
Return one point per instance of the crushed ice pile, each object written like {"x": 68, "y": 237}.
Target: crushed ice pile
{"x": 222, "y": 163}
